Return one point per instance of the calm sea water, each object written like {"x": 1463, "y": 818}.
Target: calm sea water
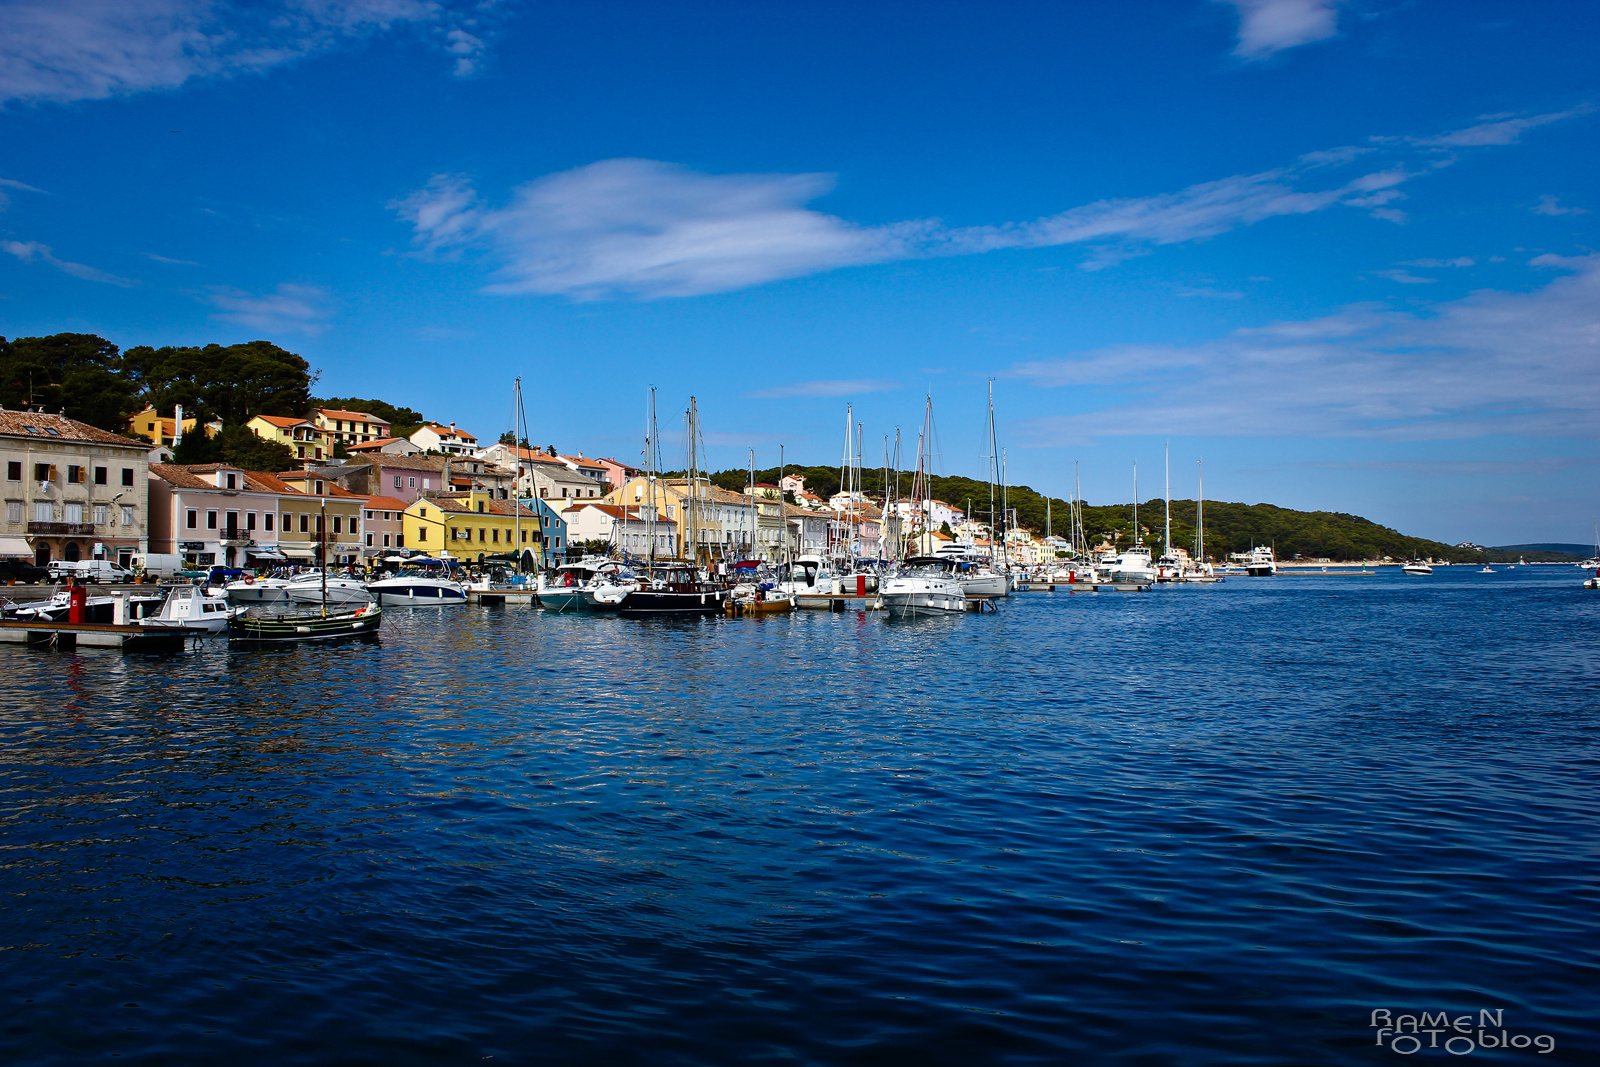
{"x": 1211, "y": 825}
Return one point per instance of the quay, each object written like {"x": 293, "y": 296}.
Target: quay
{"x": 502, "y": 596}
{"x": 70, "y": 635}
{"x": 1083, "y": 587}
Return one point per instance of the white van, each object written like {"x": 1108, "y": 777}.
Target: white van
{"x": 101, "y": 570}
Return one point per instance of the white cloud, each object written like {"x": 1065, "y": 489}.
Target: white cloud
{"x": 1403, "y": 277}
{"x": 1490, "y": 363}
{"x": 651, "y": 229}
{"x": 29, "y": 251}
{"x": 1495, "y": 130}
{"x": 11, "y": 183}
{"x": 1549, "y": 205}
{"x": 297, "y": 308}
{"x": 1267, "y": 27}
{"x": 1458, "y": 261}
{"x": 63, "y": 50}
{"x": 834, "y": 387}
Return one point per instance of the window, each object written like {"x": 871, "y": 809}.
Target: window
{"x": 14, "y": 511}
{"x": 385, "y": 540}
{"x": 321, "y": 526}
{"x": 480, "y": 507}
{"x": 369, "y": 516}
{"x": 544, "y": 493}
{"x": 288, "y": 522}
{"x": 305, "y": 523}
{"x": 74, "y": 474}
{"x": 397, "y": 480}
{"x": 42, "y": 472}
{"x": 250, "y": 520}
{"x": 233, "y": 481}
{"x": 369, "y": 540}
{"x": 524, "y": 536}
{"x": 427, "y": 483}
{"x": 100, "y": 476}
{"x": 497, "y": 535}
{"x": 44, "y": 511}
{"x": 127, "y": 476}
{"x": 266, "y": 518}
{"x": 191, "y": 519}
{"x": 483, "y": 535}
{"x": 423, "y": 512}
{"x": 563, "y": 492}
{"x": 422, "y": 534}
{"x": 211, "y": 520}
{"x": 355, "y": 524}
{"x": 400, "y": 540}
{"x": 320, "y": 489}
{"x": 413, "y": 482}
{"x": 337, "y": 525}
{"x": 127, "y": 515}
{"x": 100, "y": 514}
{"x": 14, "y": 471}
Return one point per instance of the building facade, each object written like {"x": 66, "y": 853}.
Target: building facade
{"x": 72, "y": 491}
{"x": 470, "y": 526}
{"x": 433, "y": 437}
{"x": 383, "y": 526}
{"x": 302, "y": 436}
{"x": 213, "y": 513}
{"x": 351, "y": 427}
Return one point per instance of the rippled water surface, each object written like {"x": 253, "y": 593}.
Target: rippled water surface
{"x": 1191, "y": 826}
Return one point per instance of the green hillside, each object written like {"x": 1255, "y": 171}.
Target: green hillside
{"x": 1230, "y": 527}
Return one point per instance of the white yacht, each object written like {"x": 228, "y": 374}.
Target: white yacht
{"x": 924, "y": 585}
{"x": 1417, "y": 567}
{"x": 562, "y": 588}
{"x": 189, "y": 607}
{"x": 258, "y": 591}
{"x": 421, "y": 583}
{"x": 307, "y": 589}
{"x": 608, "y": 588}
{"x": 1259, "y": 563}
{"x": 1133, "y": 566}
{"x": 974, "y": 572}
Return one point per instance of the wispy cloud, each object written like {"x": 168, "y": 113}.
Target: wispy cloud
{"x": 63, "y": 50}
{"x": 1404, "y": 277}
{"x": 1496, "y": 129}
{"x": 33, "y": 251}
{"x": 173, "y": 262}
{"x": 833, "y": 387}
{"x": 12, "y": 183}
{"x": 1549, "y": 205}
{"x": 1434, "y": 264}
{"x": 1267, "y": 27}
{"x": 636, "y": 227}
{"x": 297, "y": 308}
{"x": 1490, "y": 363}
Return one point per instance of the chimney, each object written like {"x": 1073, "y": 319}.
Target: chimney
{"x": 177, "y": 425}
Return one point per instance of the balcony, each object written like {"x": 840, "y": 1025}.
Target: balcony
{"x": 62, "y": 529}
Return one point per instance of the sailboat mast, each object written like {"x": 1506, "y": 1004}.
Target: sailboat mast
{"x": 650, "y": 479}
{"x": 1167, "y": 548}
{"x": 1200, "y": 515}
{"x": 993, "y": 461}
{"x": 1136, "y": 538}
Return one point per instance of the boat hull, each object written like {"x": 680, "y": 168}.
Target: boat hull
{"x": 418, "y": 594}
{"x": 986, "y": 585}
{"x": 337, "y": 594}
{"x": 563, "y": 599}
{"x": 922, "y": 602}
{"x": 671, "y": 602}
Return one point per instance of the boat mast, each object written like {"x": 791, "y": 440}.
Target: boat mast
{"x": 993, "y": 461}
{"x": 1200, "y": 515}
{"x": 1167, "y": 549}
{"x": 1138, "y": 539}
{"x": 755, "y": 522}
{"x": 650, "y": 480}
{"x": 694, "y": 494}
{"x": 322, "y": 552}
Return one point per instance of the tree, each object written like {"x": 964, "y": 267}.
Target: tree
{"x": 246, "y": 451}
{"x": 944, "y": 528}
{"x": 403, "y": 422}
{"x": 232, "y": 382}
{"x": 78, "y": 373}
{"x": 339, "y": 449}
{"x": 508, "y": 438}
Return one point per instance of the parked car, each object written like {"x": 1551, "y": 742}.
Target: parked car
{"x": 20, "y": 570}
{"x": 89, "y": 570}
{"x": 61, "y": 570}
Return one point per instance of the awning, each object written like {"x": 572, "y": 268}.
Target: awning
{"x": 265, "y": 552}
{"x": 15, "y": 546}
{"x": 298, "y": 552}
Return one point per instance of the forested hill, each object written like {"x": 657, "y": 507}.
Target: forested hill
{"x": 1229, "y": 527}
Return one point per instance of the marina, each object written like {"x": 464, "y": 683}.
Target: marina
{"x": 982, "y": 813}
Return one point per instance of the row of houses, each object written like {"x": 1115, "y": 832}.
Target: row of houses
{"x": 74, "y": 491}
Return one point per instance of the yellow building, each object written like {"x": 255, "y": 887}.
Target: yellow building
{"x": 302, "y": 436}
{"x": 317, "y": 518}
{"x": 470, "y": 526}
{"x": 163, "y": 431}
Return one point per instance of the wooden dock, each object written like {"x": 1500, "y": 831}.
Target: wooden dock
{"x": 68, "y": 635}
{"x": 502, "y": 596}
{"x": 1083, "y": 587}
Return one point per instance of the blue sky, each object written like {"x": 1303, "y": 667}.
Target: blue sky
{"x": 1344, "y": 252}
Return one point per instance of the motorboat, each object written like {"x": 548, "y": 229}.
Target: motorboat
{"x": 1259, "y": 563}
{"x": 307, "y": 588}
{"x": 97, "y": 609}
{"x": 1169, "y": 568}
{"x": 755, "y": 591}
{"x": 189, "y": 607}
{"x": 923, "y": 585}
{"x": 258, "y": 591}
{"x": 1133, "y": 567}
{"x": 674, "y": 589}
{"x": 561, "y": 589}
{"x": 608, "y": 588}
{"x": 421, "y": 583}
{"x": 1417, "y": 567}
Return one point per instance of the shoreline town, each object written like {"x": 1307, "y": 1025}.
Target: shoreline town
{"x": 434, "y": 518}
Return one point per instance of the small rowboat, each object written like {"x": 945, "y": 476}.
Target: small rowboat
{"x": 362, "y": 621}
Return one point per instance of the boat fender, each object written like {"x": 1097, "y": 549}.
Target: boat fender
{"x": 566, "y": 579}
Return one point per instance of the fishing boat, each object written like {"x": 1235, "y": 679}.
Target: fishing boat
{"x": 423, "y": 582}
{"x": 1417, "y": 567}
{"x": 189, "y": 607}
{"x": 609, "y": 588}
{"x": 756, "y": 592}
{"x": 923, "y": 585}
{"x": 286, "y": 628}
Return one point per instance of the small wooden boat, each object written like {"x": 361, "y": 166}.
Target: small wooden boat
{"x": 282, "y": 629}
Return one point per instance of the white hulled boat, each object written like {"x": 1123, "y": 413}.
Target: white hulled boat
{"x": 189, "y": 607}
{"x": 924, "y": 585}
{"x": 307, "y": 589}
{"x": 421, "y": 583}
{"x": 258, "y": 591}
{"x": 1417, "y": 567}
{"x": 1133, "y": 566}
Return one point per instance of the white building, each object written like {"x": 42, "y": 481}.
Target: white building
{"x": 433, "y": 437}
{"x": 627, "y": 527}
